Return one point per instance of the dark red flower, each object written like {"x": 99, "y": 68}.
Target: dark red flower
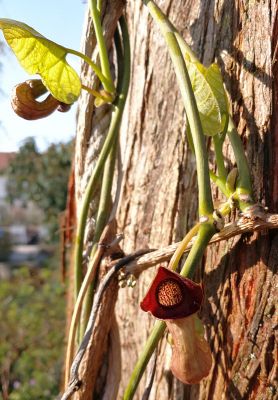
{"x": 177, "y": 299}
{"x": 171, "y": 296}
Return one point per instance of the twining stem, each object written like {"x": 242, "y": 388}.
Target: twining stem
{"x": 118, "y": 106}
{"x": 77, "y": 311}
{"x": 206, "y": 230}
{"x": 122, "y": 87}
{"x": 113, "y": 131}
{"x": 205, "y": 198}
{"x": 104, "y": 61}
{"x": 205, "y": 233}
{"x": 108, "y": 86}
{"x": 219, "y": 183}
{"x": 150, "y": 345}
{"x": 174, "y": 262}
{"x": 183, "y": 45}
{"x": 123, "y": 59}
{"x": 99, "y": 4}
{"x": 104, "y": 209}
{"x": 90, "y": 190}
{"x": 96, "y": 94}
{"x": 221, "y": 169}
{"x": 244, "y": 184}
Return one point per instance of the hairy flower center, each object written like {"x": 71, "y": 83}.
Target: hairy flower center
{"x": 169, "y": 293}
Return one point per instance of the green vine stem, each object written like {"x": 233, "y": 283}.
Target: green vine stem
{"x": 99, "y": 4}
{"x": 104, "y": 61}
{"x": 90, "y": 190}
{"x": 219, "y": 183}
{"x": 77, "y": 312}
{"x": 205, "y": 198}
{"x": 244, "y": 190}
{"x": 104, "y": 209}
{"x": 221, "y": 169}
{"x": 174, "y": 262}
{"x": 118, "y": 107}
{"x": 150, "y": 345}
{"x": 108, "y": 86}
{"x": 98, "y": 95}
{"x": 206, "y": 230}
{"x": 182, "y": 43}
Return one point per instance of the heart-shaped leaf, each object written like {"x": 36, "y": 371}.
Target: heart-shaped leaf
{"x": 210, "y": 95}
{"x": 38, "y": 55}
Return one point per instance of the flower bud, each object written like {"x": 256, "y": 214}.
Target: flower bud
{"x": 25, "y": 104}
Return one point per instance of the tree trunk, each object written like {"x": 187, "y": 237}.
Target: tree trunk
{"x": 159, "y": 193}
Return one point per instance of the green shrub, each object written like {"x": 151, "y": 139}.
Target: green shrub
{"x": 31, "y": 336}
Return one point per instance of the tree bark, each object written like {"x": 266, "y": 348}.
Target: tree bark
{"x": 159, "y": 193}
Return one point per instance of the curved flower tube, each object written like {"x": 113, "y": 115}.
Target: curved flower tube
{"x": 25, "y": 104}
{"x": 176, "y": 300}
{"x": 191, "y": 358}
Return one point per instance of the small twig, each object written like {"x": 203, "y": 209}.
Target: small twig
{"x": 74, "y": 382}
{"x": 71, "y": 389}
{"x": 107, "y": 239}
{"x": 245, "y": 224}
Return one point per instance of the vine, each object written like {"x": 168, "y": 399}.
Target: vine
{"x": 204, "y": 118}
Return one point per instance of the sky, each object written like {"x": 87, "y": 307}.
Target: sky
{"x": 62, "y": 22}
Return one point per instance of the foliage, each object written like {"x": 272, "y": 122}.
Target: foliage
{"x": 5, "y": 245}
{"x": 41, "y": 177}
{"x": 38, "y": 55}
{"x": 31, "y": 335}
{"x": 210, "y": 96}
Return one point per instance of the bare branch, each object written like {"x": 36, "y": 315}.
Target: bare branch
{"x": 247, "y": 223}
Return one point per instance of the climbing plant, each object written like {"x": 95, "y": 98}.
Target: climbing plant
{"x": 173, "y": 298}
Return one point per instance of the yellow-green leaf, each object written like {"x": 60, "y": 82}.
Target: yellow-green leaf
{"x": 210, "y": 95}
{"x": 214, "y": 79}
{"x": 38, "y": 55}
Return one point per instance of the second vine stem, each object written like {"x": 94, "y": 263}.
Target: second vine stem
{"x": 206, "y": 229}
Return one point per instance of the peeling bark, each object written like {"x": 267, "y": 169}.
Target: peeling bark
{"x": 159, "y": 198}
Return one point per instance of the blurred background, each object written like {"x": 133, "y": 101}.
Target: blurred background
{"x": 35, "y": 161}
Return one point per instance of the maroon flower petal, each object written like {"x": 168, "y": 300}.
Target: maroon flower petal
{"x": 171, "y": 296}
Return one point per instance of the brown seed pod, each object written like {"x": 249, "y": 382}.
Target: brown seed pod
{"x": 25, "y": 104}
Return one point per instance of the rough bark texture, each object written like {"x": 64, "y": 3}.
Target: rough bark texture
{"x": 159, "y": 201}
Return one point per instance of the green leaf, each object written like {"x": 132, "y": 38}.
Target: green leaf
{"x": 210, "y": 95}
{"x": 38, "y": 55}
{"x": 214, "y": 79}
